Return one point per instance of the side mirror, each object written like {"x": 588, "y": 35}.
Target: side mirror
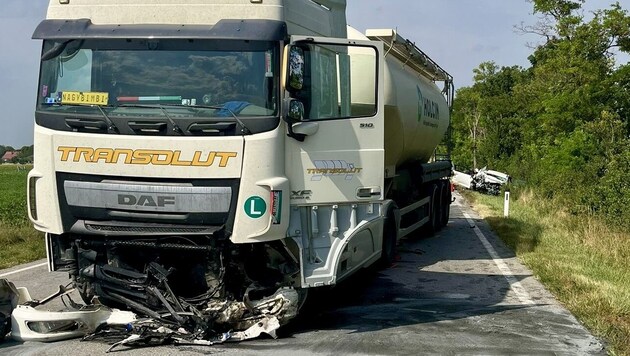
{"x": 54, "y": 51}
{"x": 293, "y": 114}
{"x": 307, "y": 128}
{"x": 294, "y": 110}
{"x": 295, "y": 77}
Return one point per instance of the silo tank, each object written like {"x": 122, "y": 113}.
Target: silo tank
{"x": 416, "y": 112}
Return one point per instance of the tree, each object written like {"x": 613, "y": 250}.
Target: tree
{"x": 563, "y": 124}
{"x": 486, "y": 115}
{"x": 26, "y": 152}
{"x": 466, "y": 127}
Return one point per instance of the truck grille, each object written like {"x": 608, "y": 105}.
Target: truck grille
{"x": 147, "y": 229}
{"x": 114, "y": 206}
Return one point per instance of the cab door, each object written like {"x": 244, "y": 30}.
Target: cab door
{"x": 335, "y": 152}
{"x": 335, "y": 155}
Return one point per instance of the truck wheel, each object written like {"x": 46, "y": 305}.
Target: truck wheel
{"x": 390, "y": 240}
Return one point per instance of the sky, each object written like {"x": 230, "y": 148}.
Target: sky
{"x": 457, "y": 34}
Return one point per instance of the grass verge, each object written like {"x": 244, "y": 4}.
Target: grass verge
{"x": 585, "y": 264}
{"x": 19, "y": 241}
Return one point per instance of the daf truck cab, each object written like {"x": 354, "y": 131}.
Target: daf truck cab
{"x": 193, "y": 154}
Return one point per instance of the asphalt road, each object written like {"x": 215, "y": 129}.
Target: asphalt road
{"x": 458, "y": 292}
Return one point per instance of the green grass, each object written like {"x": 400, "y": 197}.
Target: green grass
{"x": 19, "y": 241}
{"x": 585, "y": 264}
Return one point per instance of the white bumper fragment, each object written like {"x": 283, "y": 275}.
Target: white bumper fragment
{"x": 30, "y": 324}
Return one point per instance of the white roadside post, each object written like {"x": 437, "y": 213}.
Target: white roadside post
{"x": 506, "y": 205}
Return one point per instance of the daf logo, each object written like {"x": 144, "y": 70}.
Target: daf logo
{"x": 145, "y": 200}
{"x": 301, "y": 194}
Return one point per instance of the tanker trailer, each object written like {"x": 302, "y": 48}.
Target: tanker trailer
{"x": 417, "y": 114}
{"x": 280, "y": 155}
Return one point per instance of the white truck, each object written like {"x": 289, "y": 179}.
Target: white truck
{"x": 207, "y": 157}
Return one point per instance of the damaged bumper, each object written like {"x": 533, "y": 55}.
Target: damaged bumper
{"x": 30, "y": 324}
{"x": 241, "y": 321}
{"x": 177, "y": 290}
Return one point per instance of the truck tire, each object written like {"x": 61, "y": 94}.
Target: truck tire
{"x": 390, "y": 239}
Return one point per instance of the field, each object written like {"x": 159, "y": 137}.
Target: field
{"x": 585, "y": 264}
{"x": 19, "y": 241}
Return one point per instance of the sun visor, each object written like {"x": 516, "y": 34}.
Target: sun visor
{"x": 260, "y": 30}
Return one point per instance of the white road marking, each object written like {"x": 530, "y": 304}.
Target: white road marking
{"x": 515, "y": 285}
{"x": 23, "y": 269}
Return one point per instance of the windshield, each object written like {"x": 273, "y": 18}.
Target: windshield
{"x": 132, "y": 77}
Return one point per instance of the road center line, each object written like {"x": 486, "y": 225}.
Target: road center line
{"x": 23, "y": 269}
{"x": 515, "y": 285}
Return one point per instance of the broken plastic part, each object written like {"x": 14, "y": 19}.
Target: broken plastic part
{"x": 9, "y": 297}
{"x": 59, "y": 293}
{"x": 131, "y": 339}
{"x": 30, "y": 324}
{"x": 175, "y": 322}
{"x": 267, "y": 325}
{"x": 258, "y": 317}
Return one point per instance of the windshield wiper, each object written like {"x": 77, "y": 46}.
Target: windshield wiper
{"x": 244, "y": 128}
{"x": 163, "y": 107}
{"x": 110, "y": 123}
{"x": 176, "y": 127}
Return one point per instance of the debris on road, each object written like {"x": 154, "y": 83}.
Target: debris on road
{"x": 8, "y": 302}
{"x": 176, "y": 322}
{"x": 30, "y": 324}
{"x": 148, "y": 333}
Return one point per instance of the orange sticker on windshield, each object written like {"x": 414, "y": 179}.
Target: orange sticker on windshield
{"x": 84, "y": 98}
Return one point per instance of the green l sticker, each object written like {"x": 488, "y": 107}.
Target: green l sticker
{"x": 255, "y": 207}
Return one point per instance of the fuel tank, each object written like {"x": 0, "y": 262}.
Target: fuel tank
{"x": 416, "y": 111}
